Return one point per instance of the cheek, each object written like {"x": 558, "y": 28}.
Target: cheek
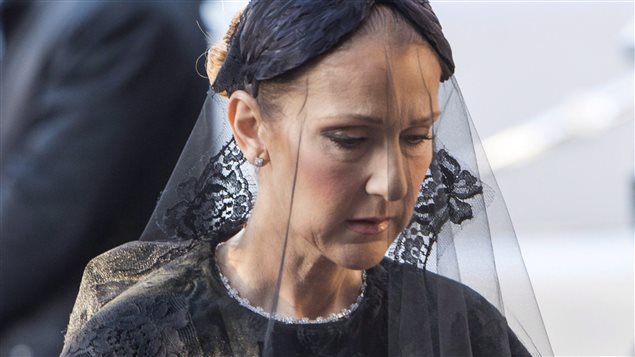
{"x": 419, "y": 167}
{"x": 326, "y": 188}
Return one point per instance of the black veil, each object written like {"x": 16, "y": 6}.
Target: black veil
{"x": 454, "y": 279}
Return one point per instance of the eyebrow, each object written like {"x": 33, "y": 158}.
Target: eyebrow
{"x": 377, "y": 121}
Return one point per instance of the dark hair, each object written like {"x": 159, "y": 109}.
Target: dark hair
{"x": 271, "y": 42}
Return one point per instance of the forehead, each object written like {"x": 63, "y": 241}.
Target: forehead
{"x": 371, "y": 77}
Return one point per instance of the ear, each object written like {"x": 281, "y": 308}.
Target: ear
{"x": 246, "y": 123}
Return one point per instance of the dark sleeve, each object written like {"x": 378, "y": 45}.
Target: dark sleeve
{"x": 135, "y": 300}
{"x": 103, "y": 111}
{"x": 151, "y": 325}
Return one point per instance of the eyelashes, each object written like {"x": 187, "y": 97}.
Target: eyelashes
{"x": 351, "y": 142}
{"x": 348, "y": 142}
{"x": 415, "y": 140}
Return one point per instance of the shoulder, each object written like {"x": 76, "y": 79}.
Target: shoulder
{"x": 135, "y": 297}
{"x": 436, "y": 286}
{"x": 156, "y": 324}
{"x": 459, "y": 308}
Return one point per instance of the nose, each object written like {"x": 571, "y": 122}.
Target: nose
{"x": 388, "y": 175}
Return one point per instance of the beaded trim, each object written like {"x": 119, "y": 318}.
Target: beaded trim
{"x": 336, "y": 316}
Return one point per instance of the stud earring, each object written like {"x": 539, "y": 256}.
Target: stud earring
{"x": 259, "y": 162}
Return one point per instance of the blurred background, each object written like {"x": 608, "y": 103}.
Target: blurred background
{"x": 549, "y": 85}
{"x": 97, "y": 99}
{"x": 550, "y": 89}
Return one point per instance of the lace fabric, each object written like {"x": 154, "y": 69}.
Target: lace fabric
{"x": 216, "y": 202}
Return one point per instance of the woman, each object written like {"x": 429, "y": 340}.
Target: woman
{"x": 364, "y": 159}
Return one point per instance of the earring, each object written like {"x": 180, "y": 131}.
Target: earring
{"x": 259, "y": 162}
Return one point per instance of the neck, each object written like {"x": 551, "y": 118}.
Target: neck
{"x": 310, "y": 285}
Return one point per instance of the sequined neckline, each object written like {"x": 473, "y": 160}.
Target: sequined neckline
{"x": 336, "y": 316}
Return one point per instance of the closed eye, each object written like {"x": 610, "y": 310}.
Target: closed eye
{"x": 346, "y": 141}
{"x": 414, "y": 140}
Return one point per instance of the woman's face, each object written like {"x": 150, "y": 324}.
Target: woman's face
{"x": 361, "y": 134}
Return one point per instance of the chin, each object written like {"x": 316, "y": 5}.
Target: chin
{"x": 361, "y": 258}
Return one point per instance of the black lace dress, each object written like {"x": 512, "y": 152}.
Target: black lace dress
{"x": 167, "y": 299}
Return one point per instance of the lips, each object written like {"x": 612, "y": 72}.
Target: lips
{"x": 368, "y": 226}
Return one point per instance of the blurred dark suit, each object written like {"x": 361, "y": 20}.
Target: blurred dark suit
{"x": 97, "y": 99}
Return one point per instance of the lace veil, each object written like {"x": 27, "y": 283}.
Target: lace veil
{"x": 460, "y": 228}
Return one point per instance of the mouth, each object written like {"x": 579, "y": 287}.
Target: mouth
{"x": 369, "y": 225}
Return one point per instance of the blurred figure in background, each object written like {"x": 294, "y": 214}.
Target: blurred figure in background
{"x": 97, "y": 99}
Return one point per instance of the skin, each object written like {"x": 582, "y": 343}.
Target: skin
{"x": 359, "y": 131}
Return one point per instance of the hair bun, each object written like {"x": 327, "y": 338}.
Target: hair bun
{"x": 217, "y": 53}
